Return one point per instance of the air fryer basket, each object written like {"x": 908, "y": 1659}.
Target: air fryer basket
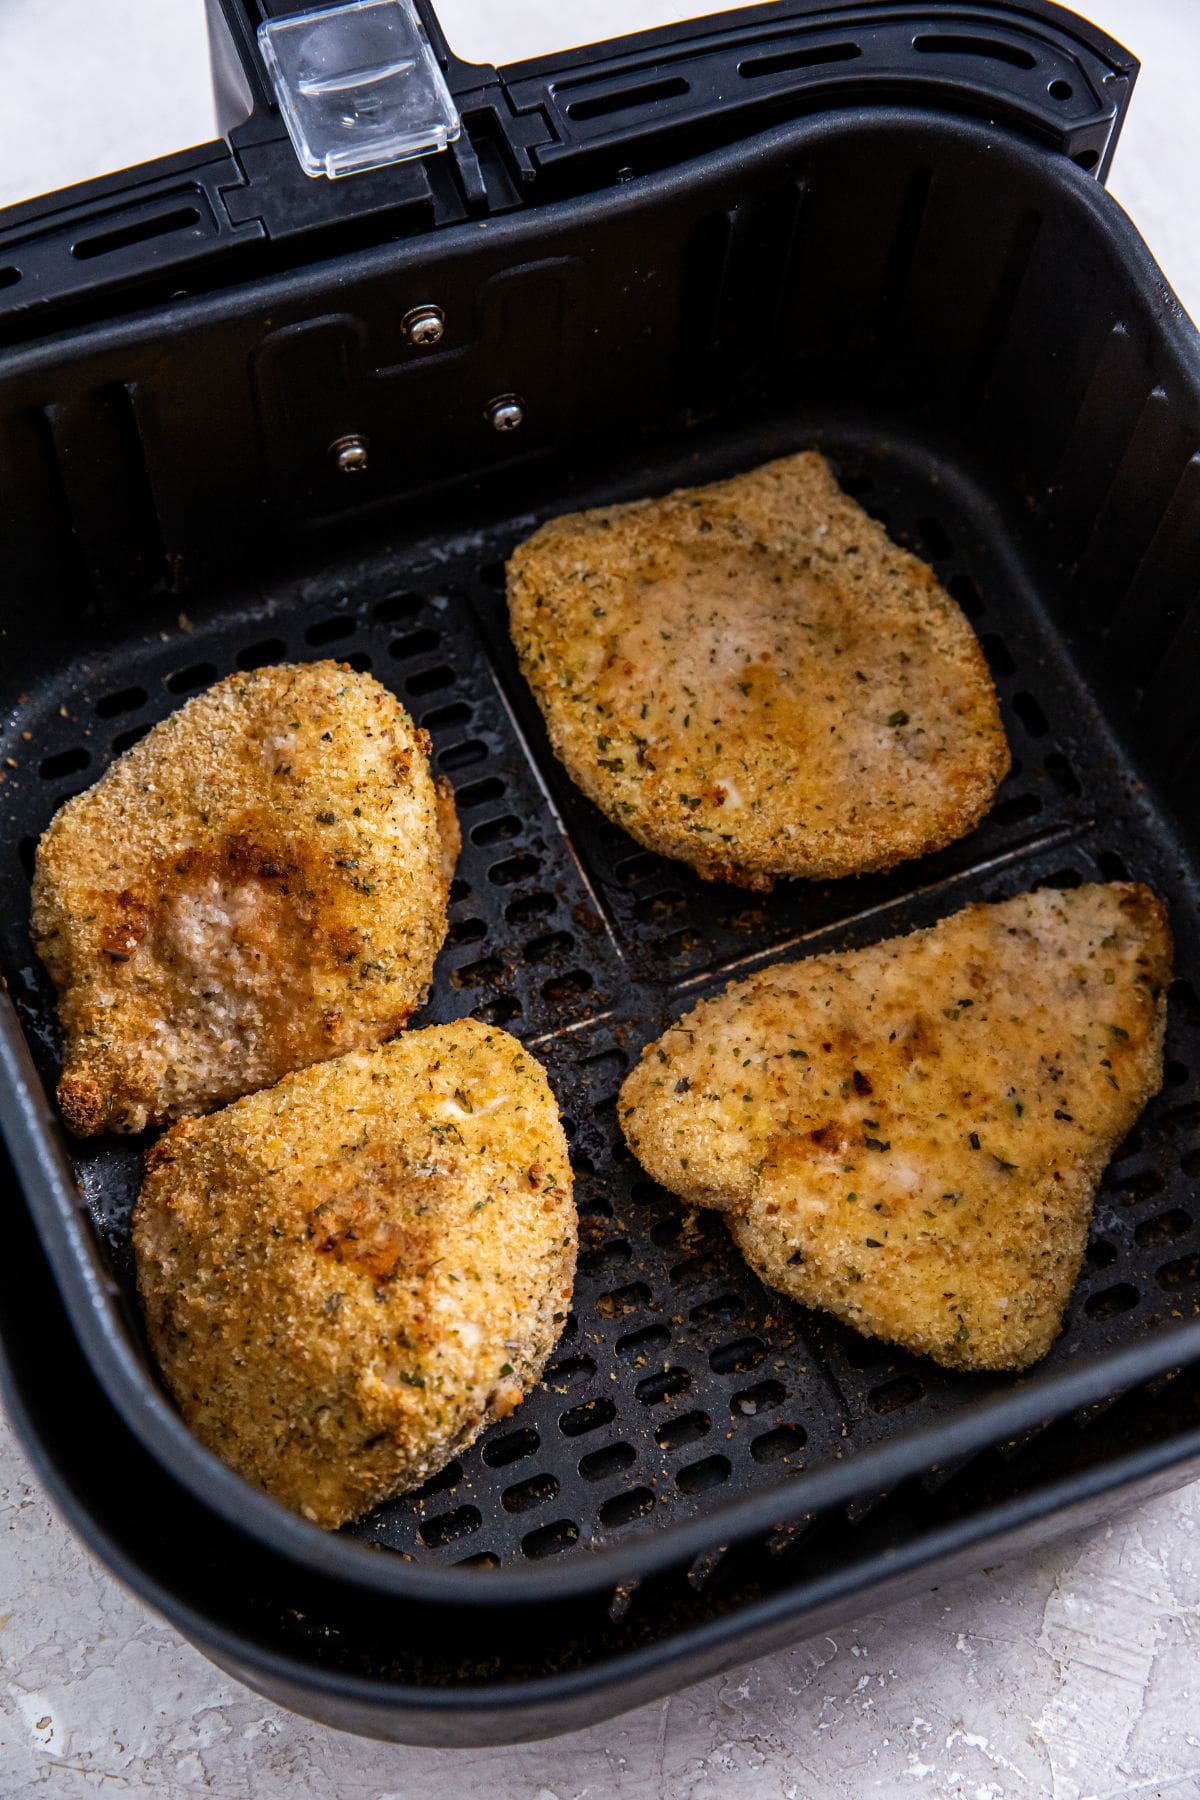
{"x": 968, "y": 326}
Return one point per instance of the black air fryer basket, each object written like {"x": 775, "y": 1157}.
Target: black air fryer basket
{"x": 230, "y": 435}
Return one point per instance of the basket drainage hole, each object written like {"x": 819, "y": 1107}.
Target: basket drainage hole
{"x": 712, "y": 1312}
{"x": 1185, "y": 1001}
{"x": 810, "y": 57}
{"x": 1087, "y": 159}
{"x": 440, "y": 1483}
{"x": 599, "y": 1464}
{"x": 1111, "y": 866}
{"x": 511, "y": 1448}
{"x": 529, "y": 907}
{"x": 561, "y": 990}
{"x": 466, "y": 931}
{"x": 1176, "y": 1073}
{"x": 485, "y": 973}
{"x": 689, "y": 1428}
{"x": 738, "y": 1357}
{"x": 636, "y": 868}
{"x": 429, "y": 680}
{"x": 127, "y": 700}
{"x": 746, "y": 918}
{"x": 1185, "y": 1118}
{"x": 590, "y": 1416}
{"x": 779, "y": 1445}
{"x": 542, "y": 949}
{"x": 653, "y": 1390}
{"x": 680, "y": 944}
{"x": 514, "y": 869}
{"x": 447, "y": 1527}
{"x": 257, "y": 656}
{"x": 1063, "y": 775}
{"x": 695, "y": 1270}
{"x": 478, "y": 793}
{"x": 457, "y": 712}
{"x": 1062, "y": 878}
{"x": 461, "y": 756}
{"x": 935, "y": 537}
{"x": 998, "y": 654}
{"x": 617, "y": 1250}
{"x": 1060, "y": 90}
{"x": 125, "y": 740}
{"x": 186, "y": 681}
{"x": 656, "y": 908}
{"x": 967, "y": 594}
{"x": 1101, "y": 1253}
{"x": 1113, "y": 1300}
{"x": 496, "y": 831}
{"x": 498, "y": 1011}
{"x": 945, "y": 43}
{"x": 549, "y": 1539}
{"x": 623, "y": 1509}
{"x": 416, "y": 643}
{"x": 67, "y": 762}
{"x": 891, "y": 1396}
{"x": 1015, "y": 810}
{"x": 330, "y": 631}
{"x": 27, "y": 851}
{"x": 698, "y": 1476}
{"x": 758, "y": 1399}
{"x": 482, "y": 1559}
{"x": 1145, "y": 1184}
{"x": 527, "y": 1494}
{"x": 1030, "y": 714}
{"x": 1181, "y": 1273}
{"x": 637, "y": 1345}
{"x": 1163, "y": 1229}
{"x": 619, "y": 1301}
{"x": 399, "y": 606}
{"x": 573, "y": 1369}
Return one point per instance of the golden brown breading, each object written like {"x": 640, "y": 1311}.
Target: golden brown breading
{"x": 347, "y": 1276}
{"x": 753, "y": 678}
{"x": 258, "y": 884}
{"x": 911, "y": 1135}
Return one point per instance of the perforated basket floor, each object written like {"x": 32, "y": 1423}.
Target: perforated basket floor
{"x": 679, "y": 1379}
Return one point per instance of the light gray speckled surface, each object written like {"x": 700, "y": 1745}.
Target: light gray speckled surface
{"x": 1075, "y": 1673}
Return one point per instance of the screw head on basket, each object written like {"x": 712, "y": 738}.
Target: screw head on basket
{"x": 349, "y": 454}
{"x": 505, "y": 412}
{"x": 424, "y": 326}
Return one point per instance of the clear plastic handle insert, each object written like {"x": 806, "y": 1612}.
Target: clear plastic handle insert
{"x": 358, "y": 86}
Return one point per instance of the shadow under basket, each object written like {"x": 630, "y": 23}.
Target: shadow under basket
{"x": 968, "y": 326}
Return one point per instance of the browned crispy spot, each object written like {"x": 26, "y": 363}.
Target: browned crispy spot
{"x": 83, "y": 1105}
{"x": 248, "y": 858}
{"x": 377, "y": 1229}
{"x": 126, "y": 927}
{"x": 447, "y": 823}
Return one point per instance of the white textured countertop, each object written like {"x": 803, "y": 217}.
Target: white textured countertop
{"x": 1075, "y": 1673}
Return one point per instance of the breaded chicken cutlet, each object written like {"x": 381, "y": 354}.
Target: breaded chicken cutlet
{"x": 751, "y": 677}
{"x": 347, "y": 1276}
{"x": 911, "y": 1135}
{"x": 259, "y": 883}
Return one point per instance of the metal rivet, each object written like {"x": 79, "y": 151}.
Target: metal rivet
{"x": 424, "y": 326}
{"x": 349, "y": 454}
{"x": 505, "y": 412}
